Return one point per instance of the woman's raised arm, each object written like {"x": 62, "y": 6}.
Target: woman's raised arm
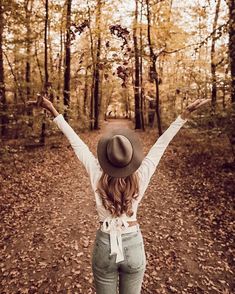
{"x": 154, "y": 155}
{"x": 80, "y": 148}
{"x": 163, "y": 141}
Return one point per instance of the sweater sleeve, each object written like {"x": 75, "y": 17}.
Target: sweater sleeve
{"x": 154, "y": 155}
{"x": 80, "y": 148}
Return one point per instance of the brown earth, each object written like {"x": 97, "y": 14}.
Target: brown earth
{"x": 48, "y": 218}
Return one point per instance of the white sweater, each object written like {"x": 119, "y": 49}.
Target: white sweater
{"x": 114, "y": 226}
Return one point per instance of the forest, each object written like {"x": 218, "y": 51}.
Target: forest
{"x": 104, "y": 63}
{"x": 140, "y": 59}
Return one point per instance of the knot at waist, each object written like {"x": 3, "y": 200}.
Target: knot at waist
{"x": 116, "y": 227}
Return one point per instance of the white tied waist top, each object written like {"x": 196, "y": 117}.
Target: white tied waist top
{"x": 116, "y": 226}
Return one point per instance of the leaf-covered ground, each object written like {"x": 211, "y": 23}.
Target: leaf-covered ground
{"x": 48, "y": 219}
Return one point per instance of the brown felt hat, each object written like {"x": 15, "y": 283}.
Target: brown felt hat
{"x": 120, "y": 153}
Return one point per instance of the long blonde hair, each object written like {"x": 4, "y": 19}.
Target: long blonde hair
{"x": 117, "y": 193}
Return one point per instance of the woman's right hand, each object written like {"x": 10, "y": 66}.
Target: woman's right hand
{"x": 192, "y": 107}
{"x": 42, "y": 101}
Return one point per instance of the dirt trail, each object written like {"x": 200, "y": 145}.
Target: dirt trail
{"x": 49, "y": 226}
{"x": 116, "y": 123}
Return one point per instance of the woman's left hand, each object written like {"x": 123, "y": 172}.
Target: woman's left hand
{"x": 41, "y": 101}
{"x": 192, "y": 107}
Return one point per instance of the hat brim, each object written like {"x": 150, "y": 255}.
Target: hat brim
{"x": 137, "y": 157}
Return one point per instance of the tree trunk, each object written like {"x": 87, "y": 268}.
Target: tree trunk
{"x": 153, "y": 70}
{"x": 60, "y": 57}
{"x": 50, "y": 51}
{"x": 46, "y": 80}
{"x": 28, "y": 12}
{"x": 17, "y": 85}
{"x": 46, "y": 47}
{"x": 213, "y": 62}
{"x": 226, "y": 78}
{"x": 231, "y": 4}
{"x": 137, "y": 72}
{"x": 38, "y": 63}
{"x": 3, "y": 102}
{"x": 93, "y": 66}
{"x": 67, "y": 59}
{"x": 97, "y": 68}
{"x": 141, "y": 69}
{"x": 85, "y": 93}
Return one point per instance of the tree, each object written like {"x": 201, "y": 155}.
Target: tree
{"x": 153, "y": 69}
{"x": 3, "y": 101}
{"x": 213, "y": 61}
{"x": 28, "y": 6}
{"x": 46, "y": 79}
{"x": 67, "y": 58}
{"x": 92, "y": 52}
{"x": 97, "y": 67}
{"x": 231, "y": 5}
{"x": 141, "y": 66}
{"x": 59, "y": 60}
{"x": 138, "y": 124}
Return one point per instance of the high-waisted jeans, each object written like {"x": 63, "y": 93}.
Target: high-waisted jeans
{"x": 127, "y": 275}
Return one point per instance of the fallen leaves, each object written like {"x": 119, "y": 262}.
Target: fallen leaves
{"x": 48, "y": 220}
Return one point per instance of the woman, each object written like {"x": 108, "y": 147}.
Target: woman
{"x": 119, "y": 179}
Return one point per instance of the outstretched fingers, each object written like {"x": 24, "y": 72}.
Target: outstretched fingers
{"x": 196, "y": 104}
{"x": 191, "y": 107}
{"x": 39, "y": 99}
{"x": 204, "y": 101}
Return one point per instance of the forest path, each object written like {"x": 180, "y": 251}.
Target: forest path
{"x": 49, "y": 220}
{"x": 116, "y": 123}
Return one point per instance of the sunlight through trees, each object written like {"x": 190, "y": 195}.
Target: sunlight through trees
{"x": 143, "y": 60}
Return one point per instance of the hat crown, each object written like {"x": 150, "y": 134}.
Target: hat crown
{"x": 119, "y": 151}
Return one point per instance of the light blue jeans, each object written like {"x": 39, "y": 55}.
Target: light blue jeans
{"x": 127, "y": 275}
